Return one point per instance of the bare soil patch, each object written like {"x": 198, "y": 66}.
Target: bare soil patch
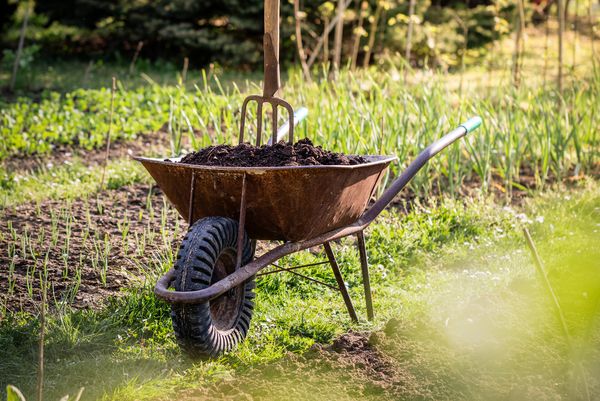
{"x": 351, "y": 368}
{"x": 144, "y": 144}
{"x": 89, "y": 248}
{"x": 302, "y": 153}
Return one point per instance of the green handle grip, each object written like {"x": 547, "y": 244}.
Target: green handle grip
{"x": 472, "y": 124}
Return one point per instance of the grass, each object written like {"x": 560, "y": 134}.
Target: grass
{"x": 451, "y": 279}
{"x": 64, "y": 76}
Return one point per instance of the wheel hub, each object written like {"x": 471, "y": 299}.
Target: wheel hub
{"x": 225, "y": 309}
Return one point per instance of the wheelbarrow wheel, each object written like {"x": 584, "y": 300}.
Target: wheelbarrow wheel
{"x": 207, "y": 254}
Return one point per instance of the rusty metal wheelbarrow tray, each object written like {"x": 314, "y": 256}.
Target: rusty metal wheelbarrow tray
{"x": 288, "y": 203}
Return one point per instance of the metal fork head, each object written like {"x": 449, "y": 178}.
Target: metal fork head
{"x": 271, "y": 85}
{"x": 275, "y": 102}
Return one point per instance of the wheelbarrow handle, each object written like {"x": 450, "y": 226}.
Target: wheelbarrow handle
{"x": 472, "y": 124}
{"x": 413, "y": 168}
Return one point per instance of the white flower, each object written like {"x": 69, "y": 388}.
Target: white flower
{"x": 523, "y": 218}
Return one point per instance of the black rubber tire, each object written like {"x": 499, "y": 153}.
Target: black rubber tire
{"x": 206, "y": 255}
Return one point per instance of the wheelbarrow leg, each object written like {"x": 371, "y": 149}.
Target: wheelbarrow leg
{"x": 365, "y": 273}
{"x": 340, "y": 281}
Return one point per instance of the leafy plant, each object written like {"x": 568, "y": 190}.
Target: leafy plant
{"x": 28, "y": 56}
{"x": 14, "y": 394}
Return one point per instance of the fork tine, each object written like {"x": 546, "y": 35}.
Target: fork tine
{"x": 259, "y": 123}
{"x": 243, "y": 120}
{"x": 290, "y": 111}
{"x": 274, "y": 140}
{"x": 275, "y": 104}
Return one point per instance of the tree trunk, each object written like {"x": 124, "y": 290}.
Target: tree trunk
{"x": 591, "y": 19}
{"x": 13, "y": 78}
{"x": 517, "y": 54}
{"x": 372, "y": 34}
{"x": 319, "y": 45}
{"x": 561, "y": 29}
{"x": 411, "y": 11}
{"x": 358, "y": 33}
{"x": 576, "y": 36}
{"x": 566, "y": 9}
{"x": 546, "y": 45}
{"x": 301, "y": 54}
{"x": 462, "y": 56}
{"x": 138, "y": 49}
{"x": 326, "y": 41}
{"x": 339, "y": 35}
{"x": 492, "y": 55}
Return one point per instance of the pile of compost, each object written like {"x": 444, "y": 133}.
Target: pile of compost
{"x": 302, "y": 153}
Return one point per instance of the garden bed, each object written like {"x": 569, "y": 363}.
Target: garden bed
{"x": 87, "y": 250}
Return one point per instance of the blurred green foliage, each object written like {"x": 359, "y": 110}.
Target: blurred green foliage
{"x": 442, "y": 33}
{"x": 229, "y": 32}
{"x": 27, "y": 57}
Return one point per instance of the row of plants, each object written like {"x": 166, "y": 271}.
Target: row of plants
{"x": 532, "y": 131}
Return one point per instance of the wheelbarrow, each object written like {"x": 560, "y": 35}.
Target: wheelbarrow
{"x": 229, "y": 208}
{"x": 211, "y": 286}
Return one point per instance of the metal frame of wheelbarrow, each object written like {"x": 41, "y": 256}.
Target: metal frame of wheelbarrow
{"x": 246, "y": 272}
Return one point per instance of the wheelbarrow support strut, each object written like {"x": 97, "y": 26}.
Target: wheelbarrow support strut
{"x": 243, "y": 273}
{"x": 364, "y": 266}
{"x": 340, "y": 281}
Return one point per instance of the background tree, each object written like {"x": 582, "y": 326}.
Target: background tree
{"x": 229, "y": 32}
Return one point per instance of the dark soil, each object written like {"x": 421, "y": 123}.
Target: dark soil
{"x": 74, "y": 236}
{"x": 302, "y": 153}
{"x": 144, "y": 145}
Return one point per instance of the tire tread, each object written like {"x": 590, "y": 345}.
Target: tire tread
{"x": 198, "y": 253}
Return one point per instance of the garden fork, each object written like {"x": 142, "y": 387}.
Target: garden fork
{"x": 271, "y": 79}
